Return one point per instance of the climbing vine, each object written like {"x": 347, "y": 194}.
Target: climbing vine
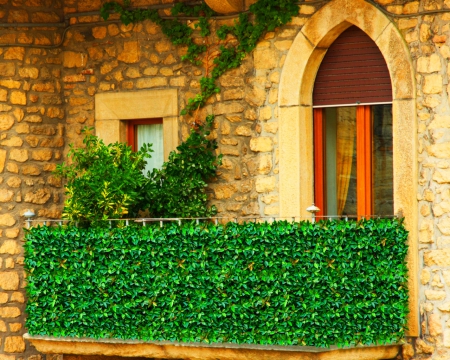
{"x": 221, "y": 50}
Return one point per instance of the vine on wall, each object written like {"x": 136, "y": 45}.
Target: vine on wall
{"x": 220, "y": 51}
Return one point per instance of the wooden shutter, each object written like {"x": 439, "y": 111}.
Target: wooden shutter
{"x": 353, "y": 71}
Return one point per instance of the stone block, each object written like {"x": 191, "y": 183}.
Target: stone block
{"x": 441, "y": 151}
{"x": 9, "y": 280}
{"x": 15, "y": 327}
{"x": 265, "y": 184}
{"x": 14, "y": 344}
{"x": 43, "y": 87}
{"x": 12, "y": 168}
{"x": 10, "y": 247}
{"x": 17, "y": 297}
{"x": 7, "y": 220}
{"x": 12, "y": 233}
{"x": 423, "y": 348}
{"x": 163, "y": 46}
{"x": 265, "y": 59}
{"x": 432, "y": 84}
{"x": 261, "y": 144}
{"x": 130, "y": 53}
{"x": 179, "y": 81}
{"x": 224, "y": 191}
{"x": 6, "y": 195}
{"x": 153, "y": 82}
{"x": 7, "y": 69}
{"x": 437, "y": 257}
{"x": 113, "y": 30}
{"x": 429, "y": 64}
{"x": 29, "y": 72}
{"x": 9, "y": 312}
{"x": 233, "y": 94}
{"x": 10, "y": 84}
{"x": 434, "y": 325}
{"x": 425, "y": 276}
{"x": 444, "y": 227}
{"x": 2, "y": 159}
{"x": 73, "y": 59}
{"x": 243, "y": 131}
{"x": 42, "y": 155}
{"x": 228, "y": 108}
{"x": 3, "y": 298}
{"x": 99, "y": 32}
{"x": 19, "y": 155}
{"x": 6, "y": 122}
{"x": 435, "y": 295}
{"x": 39, "y": 197}
{"x": 256, "y": 97}
{"x": 14, "y": 53}
{"x": 265, "y": 164}
{"x": 31, "y": 170}
{"x": 14, "y": 141}
{"x": 18, "y": 98}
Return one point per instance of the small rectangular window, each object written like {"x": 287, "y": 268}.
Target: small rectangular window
{"x": 146, "y": 131}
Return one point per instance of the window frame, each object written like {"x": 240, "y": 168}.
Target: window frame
{"x": 132, "y": 133}
{"x": 364, "y": 161}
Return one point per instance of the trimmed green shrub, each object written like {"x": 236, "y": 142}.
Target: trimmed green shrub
{"x": 333, "y": 282}
{"x": 178, "y": 189}
{"x": 102, "y": 181}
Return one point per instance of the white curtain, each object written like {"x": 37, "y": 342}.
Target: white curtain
{"x": 152, "y": 134}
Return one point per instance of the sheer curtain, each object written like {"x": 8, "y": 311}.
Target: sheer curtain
{"x": 152, "y": 134}
{"x": 345, "y": 143}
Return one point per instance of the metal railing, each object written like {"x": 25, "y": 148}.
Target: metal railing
{"x": 219, "y": 219}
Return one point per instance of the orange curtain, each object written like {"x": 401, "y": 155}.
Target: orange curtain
{"x": 346, "y": 130}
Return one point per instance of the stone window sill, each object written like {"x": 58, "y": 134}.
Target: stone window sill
{"x": 200, "y": 351}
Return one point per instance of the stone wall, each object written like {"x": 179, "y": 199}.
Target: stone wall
{"x": 31, "y": 143}
{"x": 47, "y": 97}
{"x": 428, "y": 41}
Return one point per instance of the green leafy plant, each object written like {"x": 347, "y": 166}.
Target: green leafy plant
{"x": 102, "y": 181}
{"x": 220, "y": 51}
{"x": 178, "y": 189}
{"x": 332, "y": 282}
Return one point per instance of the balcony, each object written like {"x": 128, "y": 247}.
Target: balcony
{"x": 334, "y": 289}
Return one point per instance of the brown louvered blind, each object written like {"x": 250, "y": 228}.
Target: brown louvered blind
{"x": 353, "y": 71}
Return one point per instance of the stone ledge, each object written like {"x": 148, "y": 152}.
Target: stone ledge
{"x": 200, "y": 351}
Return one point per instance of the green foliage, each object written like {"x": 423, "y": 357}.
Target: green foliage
{"x": 103, "y": 181}
{"x": 264, "y": 15}
{"x": 178, "y": 32}
{"x": 178, "y": 189}
{"x": 332, "y": 282}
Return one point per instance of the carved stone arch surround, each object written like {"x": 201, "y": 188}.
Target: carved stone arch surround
{"x": 295, "y": 116}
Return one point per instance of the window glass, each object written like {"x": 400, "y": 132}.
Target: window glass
{"x": 340, "y": 160}
{"x": 153, "y": 134}
{"x": 354, "y": 160}
{"x": 383, "y": 177}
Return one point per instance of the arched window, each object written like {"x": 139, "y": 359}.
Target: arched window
{"x": 352, "y": 100}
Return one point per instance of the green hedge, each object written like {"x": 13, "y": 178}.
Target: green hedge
{"x": 333, "y": 282}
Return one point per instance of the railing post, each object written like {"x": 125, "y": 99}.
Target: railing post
{"x": 313, "y": 209}
{"x": 28, "y": 215}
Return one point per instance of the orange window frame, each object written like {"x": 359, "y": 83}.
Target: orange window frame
{"x": 364, "y": 163}
{"x": 132, "y": 130}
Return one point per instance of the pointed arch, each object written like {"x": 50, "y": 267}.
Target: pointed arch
{"x": 295, "y": 115}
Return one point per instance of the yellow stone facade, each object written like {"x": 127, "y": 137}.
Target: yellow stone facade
{"x": 80, "y": 71}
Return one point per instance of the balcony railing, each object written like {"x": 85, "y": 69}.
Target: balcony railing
{"x": 264, "y": 281}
